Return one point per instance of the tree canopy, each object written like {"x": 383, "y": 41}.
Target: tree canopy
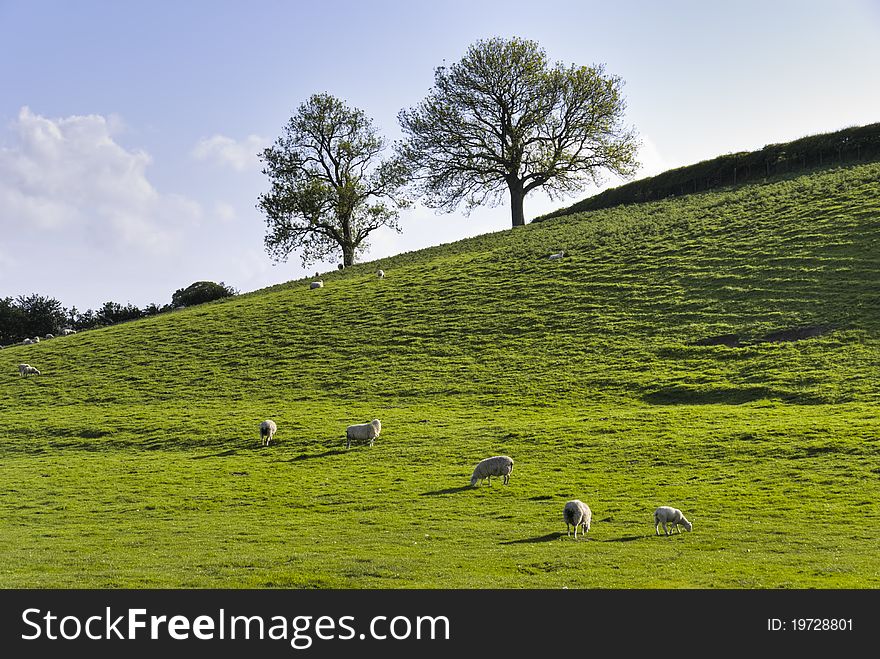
{"x": 504, "y": 119}
{"x": 330, "y": 187}
{"x": 200, "y": 292}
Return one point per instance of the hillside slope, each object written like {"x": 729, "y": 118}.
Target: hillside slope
{"x": 134, "y": 460}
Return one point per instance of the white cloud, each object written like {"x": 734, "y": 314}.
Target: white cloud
{"x": 239, "y": 155}
{"x": 68, "y": 178}
{"x": 224, "y": 212}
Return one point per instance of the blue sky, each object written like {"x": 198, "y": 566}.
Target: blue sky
{"x": 129, "y": 130}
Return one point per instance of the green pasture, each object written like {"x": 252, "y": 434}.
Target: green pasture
{"x": 134, "y": 460}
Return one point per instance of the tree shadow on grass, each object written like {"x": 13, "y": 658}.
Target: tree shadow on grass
{"x": 448, "y": 490}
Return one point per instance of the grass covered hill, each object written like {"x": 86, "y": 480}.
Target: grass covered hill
{"x": 850, "y": 146}
{"x": 718, "y": 352}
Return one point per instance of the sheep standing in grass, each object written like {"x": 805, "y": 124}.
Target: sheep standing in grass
{"x": 267, "y": 431}
{"x": 317, "y": 284}
{"x": 497, "y": 465}
{"x": 26, "y": 369}
{"x": 577, "y": 514}
{"x": 380, "y": 273}
{"x": 668, "y": 515}
{"x": 558, "y": 255}
{"x": 364, "y": 432}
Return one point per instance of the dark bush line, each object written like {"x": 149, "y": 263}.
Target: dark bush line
{"x": 849, "y": 146}
{"x": 38, "y": 316}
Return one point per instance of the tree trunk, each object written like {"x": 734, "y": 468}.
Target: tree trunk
{"x": 516, "y": 203}
{"x": 347, "y": 255}
{"x": 347, "y": 244}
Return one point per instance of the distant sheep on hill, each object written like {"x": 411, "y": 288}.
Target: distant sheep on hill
{"x": 558, "y": 255}
{"x": 670, "y": 515}
{"x": 268, "y": 428}
{"x": 317, "y": 284}
{"x": 27, "y": 369}
{"x": 380, "y": 273}
{"x": 363, "y": 432}
{"x": 26, "y": 342}
{"x": 67, "y": 331}
{"x": 577, "y": 514}
{"x": 497, "y": 465}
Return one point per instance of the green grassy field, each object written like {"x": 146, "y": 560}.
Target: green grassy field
{"x": 135, "y": 461}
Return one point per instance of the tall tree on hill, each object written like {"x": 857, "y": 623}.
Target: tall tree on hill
{"x": 504, "y": 118}
{"x": 330, "y": 188}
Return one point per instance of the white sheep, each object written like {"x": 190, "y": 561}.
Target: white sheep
{"x": 67, "y": 331}
{"x": 317, "y": 284}
{"x": 26, "y": 369}
{"x": 380, "y": 273}
{"x": 364, "y": 432}
{"x": 669, "y": 515}
{"x": 577, "y": 514}
{"x": 268, "y": 428}
{"x": 50, "y": 336}
{"x": 558, "y": 255}
{"x": 26, "y": 342}
{"x": 497, "y": 465}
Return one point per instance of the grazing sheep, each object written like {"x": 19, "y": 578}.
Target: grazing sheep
{"x": 380, "y": 273}
{"x": 317, "y": 284}
{"x": 26, "y": 369}
{"x": 670, "y": 515}
{"x": 36, "y": 339}
{"x": 364, "y": 432}
{"x": 26, "y": 342}
{"x": 22, "y": 368}
{"x": 497, "y": 465}
{"x": 267, "y": 431}
{"x": 558, "y": 255}
{"x": 577, "y": 514}
{"x": 67, "y": 331}
{"x": 49, "y": 336}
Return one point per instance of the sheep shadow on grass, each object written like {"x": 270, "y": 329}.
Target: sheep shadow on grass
{"x": 312, "y": 456}
{"x": 627, "y": 538}
{"x": 543, "y": 538}
{"x": 448, "y": 490}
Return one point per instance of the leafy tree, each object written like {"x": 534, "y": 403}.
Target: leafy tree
{"x": 43, "y": 315}
{"x": 200, "y": 292}
{"x": 12, "y": 322}
{"x": 154, "y": 309}
{"x": 86, "y": 320}
{"x": 504, "y": 119}
{"x": 113, "y": 312}
{"x": 330, "y": 188}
